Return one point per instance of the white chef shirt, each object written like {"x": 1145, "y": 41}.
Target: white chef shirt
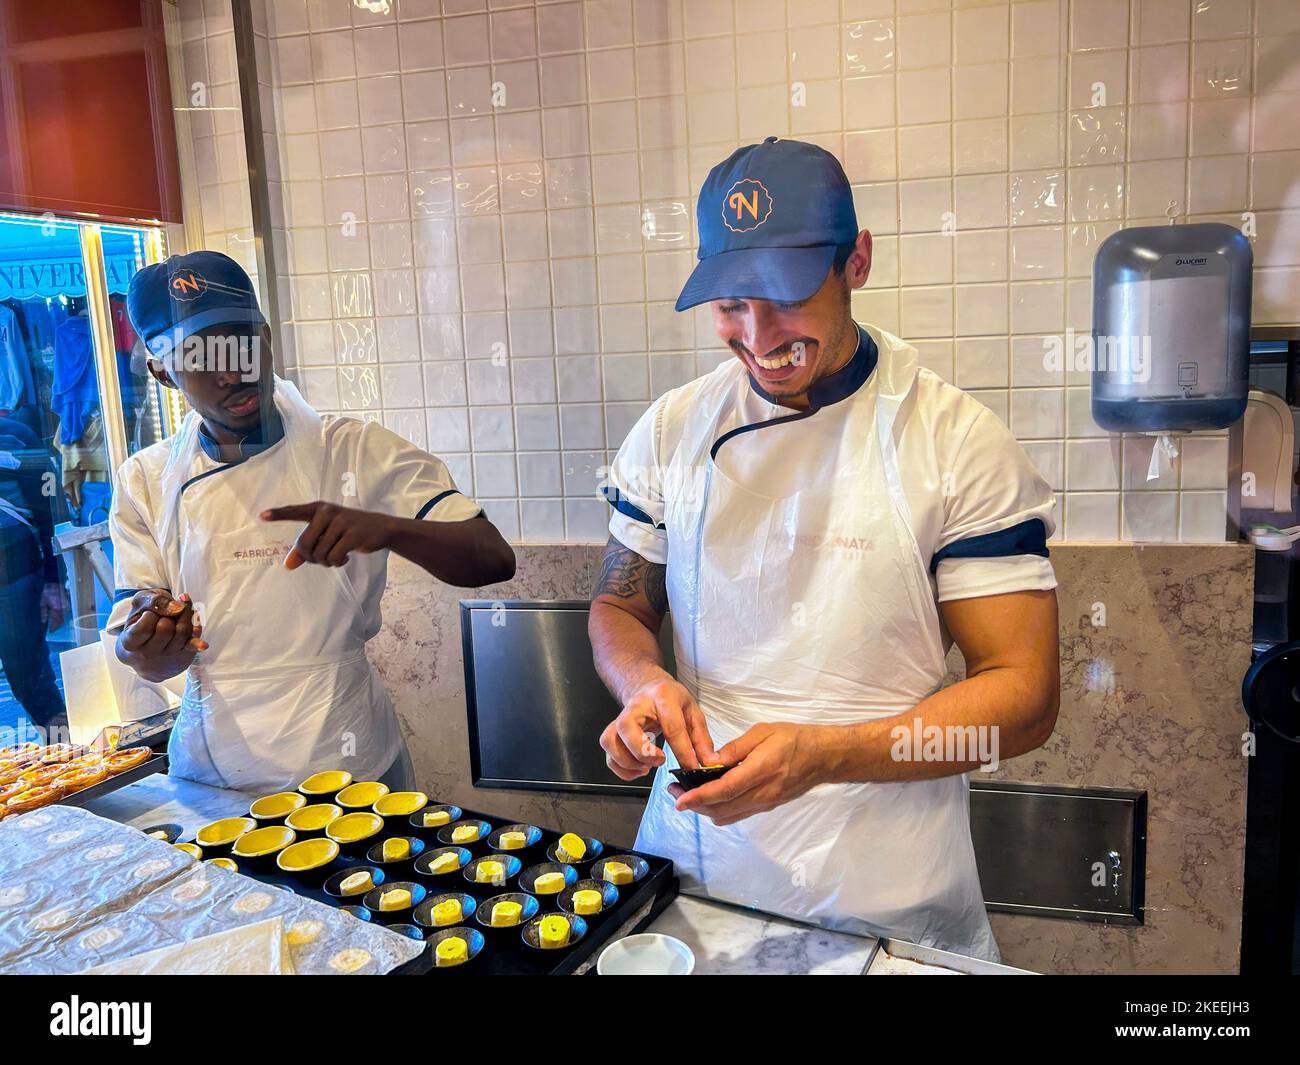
{"x": 979, "y": 509}
{"x": 365, "y": 466}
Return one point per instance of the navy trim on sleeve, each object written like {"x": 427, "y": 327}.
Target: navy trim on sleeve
{"x": 434, "y": 502}
{"x": 124, "y": 593}
{"x": 621, "y": 503}
{"x": 1027, "y": 538}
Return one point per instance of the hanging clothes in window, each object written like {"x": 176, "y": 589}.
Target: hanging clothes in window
{"x": 16, "y": 386}
{"x": 76, "y": 392}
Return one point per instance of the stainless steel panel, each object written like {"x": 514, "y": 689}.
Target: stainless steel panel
{"x": 535, "y": 703}
{"x": 1060, "y": 851}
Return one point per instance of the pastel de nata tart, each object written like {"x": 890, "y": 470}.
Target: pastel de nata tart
{"x": 33, "y": 798}
{"x": 400, "y": 803}
{"x": 60, "y": 752}
{"x": 354, "y": 827}
{"x": 12, "y": 790}
{"x": 263, "y": 842}
{"x": 549, "y": 883}
{"x": 224, "y": 832}
{"x": 571, "y": 848}
{"x": 450, "y": 951}
{"x": 553, "y": 931}
{"x": 361, "y": 795}
{"x": 40, "y": 776}
{"x": 122, "y": 760}
{"x": 325, "y": 783}
{"x": 313, "y": 818}
{"x": 19, "y": 752}
{"x": 587, "y": 902}
{"x": 72, "y": 780}
{"x": 277, "y": 806}
{"x": 307, "y": 854}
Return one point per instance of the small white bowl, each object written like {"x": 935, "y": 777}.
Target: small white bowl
{"x": 649, "y": 954}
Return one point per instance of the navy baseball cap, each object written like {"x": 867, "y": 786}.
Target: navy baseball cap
{"x": 174, "y": 299}
{"x": 770, "y": 218}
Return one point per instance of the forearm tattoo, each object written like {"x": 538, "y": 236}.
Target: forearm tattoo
{"x": 626, "y": 575}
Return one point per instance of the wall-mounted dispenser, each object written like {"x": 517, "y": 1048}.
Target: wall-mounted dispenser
{"x": 1171, "y": 328}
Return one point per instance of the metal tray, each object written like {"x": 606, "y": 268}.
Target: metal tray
{"x": 505, "y": 953}
{"x": 958, "y": 963}
{"x": 156, "y": 764}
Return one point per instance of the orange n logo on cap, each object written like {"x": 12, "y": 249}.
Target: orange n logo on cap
{"x": 188, "y": 286}
{"x": 746, "y": 206}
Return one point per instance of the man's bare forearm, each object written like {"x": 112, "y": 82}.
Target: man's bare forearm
{"x": 627, "y": 609}
{"x": 626, "y": 653}
{"x": 466, "y": 554}
{"x": 1001, "y": 713}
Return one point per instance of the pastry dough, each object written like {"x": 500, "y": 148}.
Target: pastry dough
{"x": 450, "y": 951}
{"x": 447, "y": 913}
{"x": 490, "y": 872}
{"x": 571, "y": 847}
{"x": 553, "y": 931}
{"x": 505, "y": 914}
{"x": 618, "y": 873}
{"x": 587, "y": 902}
{"x": 447, "y": 862}
{"x": 549, "y": 883}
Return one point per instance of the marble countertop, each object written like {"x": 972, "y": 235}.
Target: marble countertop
{"x": 726, "y": 940}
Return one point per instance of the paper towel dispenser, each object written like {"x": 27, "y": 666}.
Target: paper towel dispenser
{"x": 1171, "y": 328}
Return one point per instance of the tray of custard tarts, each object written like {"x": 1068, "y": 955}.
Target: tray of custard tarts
{"x": 33, "y": 775}
{"x": 487, "y": 894}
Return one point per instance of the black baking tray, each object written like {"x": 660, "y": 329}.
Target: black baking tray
{"x": 156, "y": 764}
{"x": 504, "y": 953}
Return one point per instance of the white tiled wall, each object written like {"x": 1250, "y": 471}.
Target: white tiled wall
{"x": 488, "y": 208}
{"x": 216, "y": 128}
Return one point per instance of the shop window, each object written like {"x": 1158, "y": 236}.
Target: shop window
{"x": 75, "y": 400}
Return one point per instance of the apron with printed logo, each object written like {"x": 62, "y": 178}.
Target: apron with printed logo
{"x": 811, "y": 604}
{"x": 285, "y": 688}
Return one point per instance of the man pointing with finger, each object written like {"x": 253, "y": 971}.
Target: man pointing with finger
{"x": 251, "y": 548}
{"x": 825, "y": 518}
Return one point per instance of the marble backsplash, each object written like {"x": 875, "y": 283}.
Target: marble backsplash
{"x": 1154, "y": 642}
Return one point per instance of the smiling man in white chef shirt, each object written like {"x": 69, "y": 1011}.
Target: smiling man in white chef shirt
{"x": 825, "y": 518}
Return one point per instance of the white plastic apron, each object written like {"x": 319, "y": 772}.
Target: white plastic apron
{"x": 814, "y": 606}
{"x": 285, "y": 687}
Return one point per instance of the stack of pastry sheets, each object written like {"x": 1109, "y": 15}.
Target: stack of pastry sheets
{"x": 78, "y": 891}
